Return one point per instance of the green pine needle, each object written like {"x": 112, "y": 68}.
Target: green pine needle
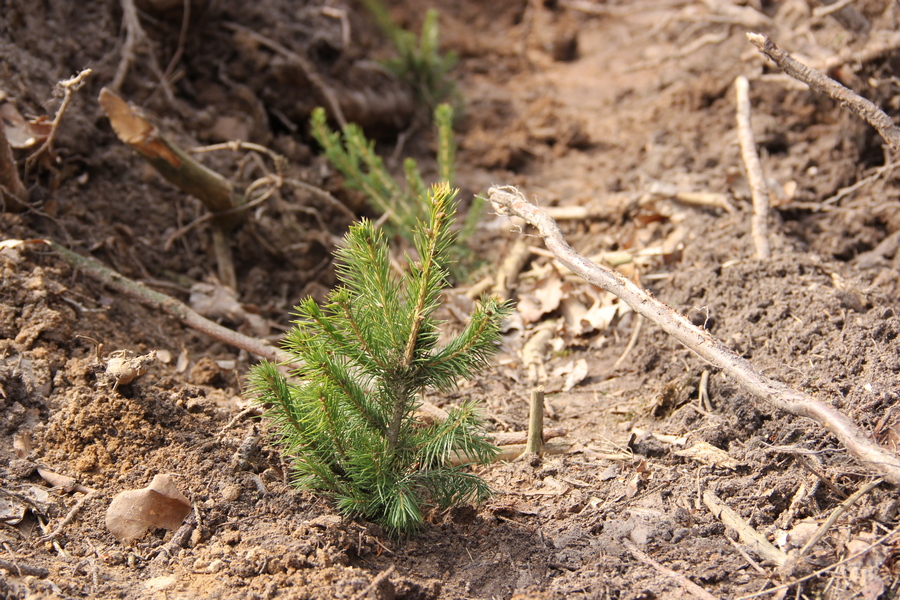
{"x": 346, "y": 418}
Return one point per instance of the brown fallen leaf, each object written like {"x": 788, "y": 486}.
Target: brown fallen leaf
{"x": 122, "y": 367}
{"x": 133, "y": 512}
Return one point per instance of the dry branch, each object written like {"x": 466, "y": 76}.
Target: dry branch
{"x": 180, "y": 169}
{"x": 168, "y": 305}
{"x": 508, "y": 200}
{"x": 752, "y": 538}
{"x": 759, "y": 191}
{"x": 823, "y": 84}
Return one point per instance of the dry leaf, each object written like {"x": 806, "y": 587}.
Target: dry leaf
{"x": 709, "y": 455}
{"x": 216, "y": 301}
{"x": 22, "y": 133}
{"x": 122, "y": 369}
{"x": 159, "y": 505}
{"x": 578, "y": 374}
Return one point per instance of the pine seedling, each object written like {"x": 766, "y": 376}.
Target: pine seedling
{"x": 346, "y": 418}
{"x": 419, "y": 62}
{"x": 354, "y": 156}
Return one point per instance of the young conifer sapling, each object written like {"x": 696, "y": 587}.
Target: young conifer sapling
{"x": 346, "y": 418}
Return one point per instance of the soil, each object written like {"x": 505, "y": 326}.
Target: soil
{"x": 596, "y": 106}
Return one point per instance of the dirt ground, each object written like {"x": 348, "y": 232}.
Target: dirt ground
{"x": 618, "y": 109}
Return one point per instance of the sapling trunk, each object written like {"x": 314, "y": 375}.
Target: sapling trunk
{"x": 347, "y": 416}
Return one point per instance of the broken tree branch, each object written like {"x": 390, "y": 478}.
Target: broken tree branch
{"x": 823, "y": 84}
{"x": 508, "y": 200}
{"x": 169, "y": 305}
{"x": 215, "y": 191}
{"x": 759, "y": 191}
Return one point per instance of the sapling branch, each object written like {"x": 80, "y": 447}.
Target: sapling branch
{"x": 508, "y": 200}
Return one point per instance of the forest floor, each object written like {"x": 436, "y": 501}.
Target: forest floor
{"x": 616, "y": 117}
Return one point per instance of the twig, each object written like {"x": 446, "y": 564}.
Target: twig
{"x": 508, "y": 200}
{"x": 747, "y": 557}
{"x": 510, "y": 452}
{"x": 823, "y": 84}
{"x": 69, "y": 517}
{"x": 215, "y": 191}
{"x": 752, "y": 538}
{"x": 836, "y": 513}
{"x": 850, "y": 558}
{"x": 703, "y": 390}
{"x": 334, "y": 106}
{"x": 688, "y": 585}
{"x": 182, "y": 37}
{"x": 844, "y": 191}
{"x": 759, "y": 191}
{"x": 134, "y": 37}
{"x": 632, "y": 341}
{"x": 69, "y": 87}
{"x": 169, "y": 305}
{"x": 378, "y": 580}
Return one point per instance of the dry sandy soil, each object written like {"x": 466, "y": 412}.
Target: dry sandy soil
{"x": 617, "y": 109}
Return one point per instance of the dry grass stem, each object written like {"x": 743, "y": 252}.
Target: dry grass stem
{"x": 749, "y": 536}
{"x": 759, "y": 191}
{"x": 823, "y": 84}
{"x": 836, "y": 513}
{"x": 509, "y": 201}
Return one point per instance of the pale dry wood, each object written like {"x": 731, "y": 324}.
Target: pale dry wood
{"x": 749, "y": 536}
{"x": 535, "y": 442}
{"x": 510, "y": 452}
{"x": 823, "y": 84}
{"x": 69, "y": 87}
{"x": 508, "y": 200}
{"x": 759, "y": 191}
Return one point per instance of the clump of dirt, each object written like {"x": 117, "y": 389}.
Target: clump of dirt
{"x": 592, "y": 108}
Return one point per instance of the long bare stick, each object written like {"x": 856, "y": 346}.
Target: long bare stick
{"x": 759, "y": 191}
{"x": 823, "y": 84}
{"x": 169, "y": 305}
{"x": 508, "y": 200}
